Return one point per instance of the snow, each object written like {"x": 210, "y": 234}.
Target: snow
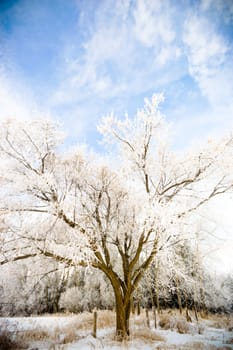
{"x": 211, "y": 336}
{"x": 58, "y": 326}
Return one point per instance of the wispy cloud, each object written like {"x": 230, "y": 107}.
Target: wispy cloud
{"x": 123, "y": 52}
{"x": 210, "y": 60}
{"x": 153, "y": 22}
{"x": 15, "y": 99}
{"x": 223, "y": 8}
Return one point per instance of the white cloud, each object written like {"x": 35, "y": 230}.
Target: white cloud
{"x": 224, "y": 8}
{"x": 106, "y": 54}
{"x": 17, "y": 101}
{"x": 13, "y": 100}
{"x": 205, "y": 4}
{"x": 210, "y": 61}
{"x": 153, "y": 22}
{"x": 122, "y": 53}
{"x": 165, "y": 54}
{"x": 207, "y": 49}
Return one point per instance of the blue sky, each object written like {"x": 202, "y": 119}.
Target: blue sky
{"x": 77, "y": 60}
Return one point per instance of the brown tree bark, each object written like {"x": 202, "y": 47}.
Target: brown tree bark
{"x": 123, "y": 310}
{"x": 178, "y": 294}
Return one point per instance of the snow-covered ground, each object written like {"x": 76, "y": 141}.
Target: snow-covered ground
{"x": 74, "y": 332}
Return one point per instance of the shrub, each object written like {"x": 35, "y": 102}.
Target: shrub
{"x": 65, "y": 335}
{"x": 165, "y": 321}
{"x": 177, "y": 323}
{"x": 182, "y": 327}
{"x": 7, "y": 341}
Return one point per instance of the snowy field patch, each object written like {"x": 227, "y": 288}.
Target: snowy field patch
{"x": 75, "y": 332}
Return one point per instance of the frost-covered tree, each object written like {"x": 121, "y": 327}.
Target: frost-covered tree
{"x": 83, "y": 209}
{"x": 25, "y": 290}
{"x": 91, "y": 290}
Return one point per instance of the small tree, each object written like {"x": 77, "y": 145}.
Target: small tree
{"x": 81, "y": 209}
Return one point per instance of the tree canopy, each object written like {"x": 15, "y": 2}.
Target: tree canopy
{"x": 114, "y": 212}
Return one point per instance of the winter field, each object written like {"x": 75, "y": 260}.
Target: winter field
{"x": 214, "y": 332}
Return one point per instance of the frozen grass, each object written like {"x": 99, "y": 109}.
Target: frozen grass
{"x": 175, "y": 323}
{"x": 106, "y": 319}
{"x": 191, "y": 346}
{"x": 75, "y": 332}
{"x": 65, "y": 335}
{"x": 221, "y": 321}
{"x": 15, "y": 337}
{"x": 147, "y": 335}
{"x": 35, "y": 335}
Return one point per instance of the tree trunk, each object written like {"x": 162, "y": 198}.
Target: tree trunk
{"x": 133, "y": 308}
{"x": 138, "y": 308}
{"x": 178, "y": 294}
{"x": 147, "y": 318}
{"x": 155, "y": 316}
{"x": 153, "y": 307}
{"x": 188, "y": 317}
{"x": 157, "y": 302}
{"x": 179, "y": 300}
{"x": 157, "y": 288}
{"x": 122, "y": 319}
{"x": 94, "y": 323}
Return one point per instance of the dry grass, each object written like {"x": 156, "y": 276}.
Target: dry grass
{"x": 198, "y": 346}
{"x": 15, "y": 339}
{"x": 82, "y": 324}
{"x": 188, "y": 346}
{"x": 147, "y": 335}
{"x": 167, "y": 347}
{"x": 60, "y": 336}
{"x": 83, "y": 321}
{"x": 69, "y": 334}
{"x": 34, "y": 334}
{"x": 141, "y": 320}
{"x": 182, "y": 327}
{"x": 106, "y": 318}
{"x": 65, "y": 335}
{"x": 221, "y": 321}
{"x": 86, "y": 323}
{"x": 136, "y": 321}
{"x": 165, "y": 321}
{"x": 175, "y": 323}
